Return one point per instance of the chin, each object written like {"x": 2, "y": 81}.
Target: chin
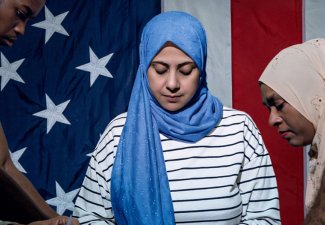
{"x": 296, "y": 143}
{"x": 172, "y": 108}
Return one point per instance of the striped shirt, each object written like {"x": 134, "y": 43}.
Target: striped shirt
{"x": 226, "y": 178}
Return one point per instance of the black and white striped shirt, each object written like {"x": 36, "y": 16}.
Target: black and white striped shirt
{"x": 226, "y": 178}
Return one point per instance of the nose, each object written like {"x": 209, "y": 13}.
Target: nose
{"x": 274, "y": 118}
{"x": 172, "y": 82}
{"x": 20, "y": 27}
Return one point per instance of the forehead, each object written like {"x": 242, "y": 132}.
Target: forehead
{"x": 267, "y": 92}
{"x": 34, "y": 5}
{"x": 171, "y": 53}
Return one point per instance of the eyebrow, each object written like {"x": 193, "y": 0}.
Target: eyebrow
{"x": 159, "y": 62}
{"x": 270, "y": 101}
{"x": 186, "y": 63}
{"x": 178, "y": 66}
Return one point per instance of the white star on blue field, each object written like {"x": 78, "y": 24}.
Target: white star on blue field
{"x": 96, "y": 66}
{"x": 53, "y": 113}
{"x": 15, "y": 156}
{"x": 63, "y": 201}
{"x": 52, "y": 24}
{"x": 8, "y": 71}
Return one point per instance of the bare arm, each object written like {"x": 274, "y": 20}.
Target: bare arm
{"x": 4, "y": 153}
{"x": 60, "y": 220}
{"x": 316, "y": 215}
{"x": 12, "y": 175}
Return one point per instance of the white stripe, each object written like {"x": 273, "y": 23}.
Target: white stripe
{"x": 215, "y": 17}
{"x": 314, "y": 26}
{"x": 209, "y": 182}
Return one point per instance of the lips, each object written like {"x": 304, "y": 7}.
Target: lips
{"x": 8, "y": 41}
{"x": 172, "y": 98}
{"x": 285, "y": 134}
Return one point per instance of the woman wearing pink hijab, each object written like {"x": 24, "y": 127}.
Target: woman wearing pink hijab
{"x": 293, "y": 89}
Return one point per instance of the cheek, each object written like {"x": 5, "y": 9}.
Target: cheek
{"x": 309, "y": 132}
{"x": 155, "y": 82}
{"x": 302, "y": 127}
{"x": 7, "y": 22}
{"x": 193, "y": 84}
{"x": 194, "y": 88}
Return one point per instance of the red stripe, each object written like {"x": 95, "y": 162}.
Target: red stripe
{"x": 260, "y": 29}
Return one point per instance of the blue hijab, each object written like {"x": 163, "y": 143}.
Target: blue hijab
{"x": 140, "y": 191}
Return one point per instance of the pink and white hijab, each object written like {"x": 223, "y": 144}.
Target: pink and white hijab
{"x": 297, "y": 74}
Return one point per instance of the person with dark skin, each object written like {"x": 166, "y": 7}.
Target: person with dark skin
{"x": 293, "y": 89}
{"x": 14, "y": 15}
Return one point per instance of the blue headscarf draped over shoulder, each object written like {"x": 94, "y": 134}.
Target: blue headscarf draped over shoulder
{"x": 140, "y": 191}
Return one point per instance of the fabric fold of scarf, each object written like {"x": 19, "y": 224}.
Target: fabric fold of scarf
{"x": 140, "y": 191}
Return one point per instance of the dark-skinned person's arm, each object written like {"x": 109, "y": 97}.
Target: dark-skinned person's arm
{"x": 17, "y": 193}
{"x": 59, "y": 220}
{"x": 316, "y": 215}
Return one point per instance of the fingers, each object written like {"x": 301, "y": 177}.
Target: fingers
{"x": 59, "y": 220}
{"x": 75, "y": 221}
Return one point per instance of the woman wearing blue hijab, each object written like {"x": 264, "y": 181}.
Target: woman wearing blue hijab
{"x": 178, "y": 156}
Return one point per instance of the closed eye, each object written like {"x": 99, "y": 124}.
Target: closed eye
{"x": 187, "y": 68}
{"x": 160, "y": 68}
{"x": 280, "y": 106}
{"x": 22, "y": 15}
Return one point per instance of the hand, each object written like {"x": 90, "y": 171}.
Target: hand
{"x": 59, "y": 220}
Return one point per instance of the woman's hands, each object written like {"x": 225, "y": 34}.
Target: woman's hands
{"x": 59, "y": 220}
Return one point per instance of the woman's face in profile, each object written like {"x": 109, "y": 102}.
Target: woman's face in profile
{"x": 14, "y": 15}
{"x": 173, "y": 78}
{"x": 291, "y": 125}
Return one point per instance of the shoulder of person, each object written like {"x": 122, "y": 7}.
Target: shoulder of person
{"x": 117, "y": 121}
{"x": 120, "y": 117}
{"x": 228, "y": 111}
{"x": 235, "y": 114}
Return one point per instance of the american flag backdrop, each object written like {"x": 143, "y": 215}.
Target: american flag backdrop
{"x": 63, "y": 82}
{"x": 243, "y": 36}
{"x": 73, "y": 71}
